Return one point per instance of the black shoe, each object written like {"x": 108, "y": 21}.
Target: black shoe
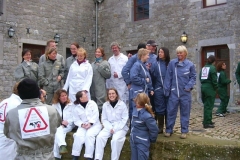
{"x": 208, "y": 126}
{"x": 212, "y": 123}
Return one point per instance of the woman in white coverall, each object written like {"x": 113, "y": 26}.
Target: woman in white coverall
{"x": 79, "y": 76}
{"x": 114, "y": 120}
{"x": 8, "y": 146}
{"x": 64, "y": 107}
{"x": 86, "y": 117}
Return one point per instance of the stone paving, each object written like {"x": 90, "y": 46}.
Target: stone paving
{"x": 226, "y": 128}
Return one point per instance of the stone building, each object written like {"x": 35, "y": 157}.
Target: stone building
{"x": 212, "y": 27}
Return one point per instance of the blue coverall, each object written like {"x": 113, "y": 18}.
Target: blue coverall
{"x": 158, "y": 71}
{"x": 144, "y": 131}
{"x": 138, "y": 75}
{"x": 126, "y": 73}
{"x": 179, "y": 81}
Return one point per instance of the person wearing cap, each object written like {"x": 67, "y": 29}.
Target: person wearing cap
{"x": 32, "y": 124}
{"x": 27, "y": 69}
{"x": 117, "y": 62}
{"x": 179, "y": 81}
{"x": 8, "y": 146}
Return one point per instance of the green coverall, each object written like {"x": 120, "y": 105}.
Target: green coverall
{"x": 223, "y": 81}
{"x": 208, "y": 89}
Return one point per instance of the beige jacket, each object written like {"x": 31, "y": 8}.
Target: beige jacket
{"x": 36, "y": 148}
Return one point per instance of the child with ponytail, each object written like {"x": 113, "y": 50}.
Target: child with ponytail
{"x": 144, "y": 129}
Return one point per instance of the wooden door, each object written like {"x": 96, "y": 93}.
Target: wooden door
{"x": 222, "y": 55}
{"x": 37, "y": 51}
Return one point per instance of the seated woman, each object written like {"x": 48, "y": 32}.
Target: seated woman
{"x": 86, "y": 117}
{"x": 64, "y": 107}
{"x": 114, "y": 120}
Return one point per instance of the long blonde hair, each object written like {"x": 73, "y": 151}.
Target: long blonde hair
{"x": 143, "y": 100}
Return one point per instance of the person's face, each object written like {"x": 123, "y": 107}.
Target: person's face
{"x": 145, "y": 58}
{"x": 112, "y": 96}
{"x": 161, "y": 54}
{"x": 98, "y": 53}
{"x": 224, "y": 66}
{"x": 52, "y": 45}
{"x": 52, "y": 55}
{"x": 27, "y": 56}
{"x": 80, "y": 56}
{"x": 84, "y": 97}
{"x": 73, "y": 49}
{"x": 181, "y": 56}
{"x": 151, "y": 48}
{"x": 63, "y": 97}
{"x": 115, "y": 50}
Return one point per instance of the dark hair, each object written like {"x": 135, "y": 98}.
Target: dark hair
{"x": 166, "y": 55}
{"x": 79, "y": 94}
{"x": 75, "y": 44}
{"x": 24, "y": 52}
{"x": 141, "y": 45}
{"x": 113, "y": 89}
{"x": 57, "y": 95}
{"x": 211, "y": 59}
{"x": 102, "y": 51}
{"x": 219, "y": 66}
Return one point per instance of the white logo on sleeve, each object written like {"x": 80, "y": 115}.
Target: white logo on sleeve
{"x": 205, "y": 72}
{"x": 34, "y": 122}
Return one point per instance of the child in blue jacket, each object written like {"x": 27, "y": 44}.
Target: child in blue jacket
{"x": 144, "y": 128}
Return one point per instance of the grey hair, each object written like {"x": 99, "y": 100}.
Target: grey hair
{"x": 115, "y": 44}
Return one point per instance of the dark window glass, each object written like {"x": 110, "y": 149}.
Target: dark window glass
{"x": 141, "y": 9}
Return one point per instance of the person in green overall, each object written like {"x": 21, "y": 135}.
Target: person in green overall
{"x": 223, "y": 81}
{"x": 237, "y": 74}
{"x": 208, "y": 78}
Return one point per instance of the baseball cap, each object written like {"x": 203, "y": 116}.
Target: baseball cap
{"x": 151, "y": 43}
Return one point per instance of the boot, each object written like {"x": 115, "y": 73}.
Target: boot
{"x": 75, "y": 157}
{"x": 63, "y": 150}
{"x": 160, "y": 119}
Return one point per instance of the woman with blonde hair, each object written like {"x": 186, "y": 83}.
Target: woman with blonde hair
{"x": 144, "y": 129}
{"x": 64, "y": 107}
{"x": 178, "y": 84}
{"x": 79, "y": 76}
{"x": 51, "y": 73}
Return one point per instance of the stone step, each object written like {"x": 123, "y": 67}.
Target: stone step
{"x": 174, "y": 148}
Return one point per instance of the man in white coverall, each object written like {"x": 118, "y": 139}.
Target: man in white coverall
{"x": 117, "y": 62}
{"x": 8, "y": 146}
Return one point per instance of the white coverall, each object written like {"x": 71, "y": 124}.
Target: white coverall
{"x": 7, "y": 146}
{"x": 61, "y": 130}
{"x": 79, "y": 78}
{"x": 81, "y": 115}
{"x": 118, "y": 83}
{"x": 116, "y": 119}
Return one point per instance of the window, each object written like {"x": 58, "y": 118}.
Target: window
{"x": 141, "y": 9}
{"x": 210, "y": 3}
{"x": 1, "y": 7}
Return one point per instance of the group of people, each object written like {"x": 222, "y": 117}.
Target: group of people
{"x": 100, "y": 98}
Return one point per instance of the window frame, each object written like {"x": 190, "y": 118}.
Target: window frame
{"x": 135, "y": 6}
{"x": 205, "y": 2}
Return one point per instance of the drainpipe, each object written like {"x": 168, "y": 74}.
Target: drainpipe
{"x": 96, "y": 21}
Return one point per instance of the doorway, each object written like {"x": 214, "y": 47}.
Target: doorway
{"x": 37, "y": 51}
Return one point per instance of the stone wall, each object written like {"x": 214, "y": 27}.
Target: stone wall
{"x": 168, "y": 19}
{"x": 72, "y": 20}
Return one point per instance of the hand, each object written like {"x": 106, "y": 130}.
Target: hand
{"x": 129, "y": 86}
{"x": 59, "y": 78}
{"x": 43, "y": 95}
{"x": 112, "y": 131}
{"x": 65, "y": 122}
{"x": 115, "y": 75}
{"x": 152, "y": 93}
{"x": 87, "y": 126}
{"x": 147, "y": 79}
